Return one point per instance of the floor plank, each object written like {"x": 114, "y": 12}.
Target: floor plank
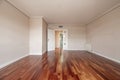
{"x": 68, "y": 65}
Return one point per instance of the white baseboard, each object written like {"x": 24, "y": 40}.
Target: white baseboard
{"x": 77, "y": 49}
{"x": 35, "y": 53}
{"x": 12, "y": 61}
{"x": 38, "y": 53}
{"x": 105, "y": 56}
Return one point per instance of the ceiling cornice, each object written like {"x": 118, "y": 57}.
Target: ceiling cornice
{"x": 10, "y": 2}
{"x": 90, "y": 21}
{"x": 104, "y": 13}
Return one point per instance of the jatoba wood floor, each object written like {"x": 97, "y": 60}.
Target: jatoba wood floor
{"x": 70, "y": 65}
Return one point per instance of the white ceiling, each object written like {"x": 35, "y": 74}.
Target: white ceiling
{"x": 64, "y": 11}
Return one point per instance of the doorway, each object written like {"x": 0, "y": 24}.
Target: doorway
{"x": 57, "y": 39}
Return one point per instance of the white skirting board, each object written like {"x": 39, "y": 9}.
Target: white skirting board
{"x": 35, "y": 53}
{"x": 10, "y": 62}
{"x": 104, "y": 56}
{"x": 38, "y": 53}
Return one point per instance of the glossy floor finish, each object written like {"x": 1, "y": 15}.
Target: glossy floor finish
{"x": 70, "y": 65}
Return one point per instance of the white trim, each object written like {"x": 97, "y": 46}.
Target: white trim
{"x": 12, "y": 61}
{"x": 76, "y": 49}
{"x": 104, "y": 56}
{"x": 20, "y": 10}
{"x": 35, "y": 53}
{"x": 104, "y": 13}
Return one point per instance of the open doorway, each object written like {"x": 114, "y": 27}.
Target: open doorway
{"x": 57, "y": 39}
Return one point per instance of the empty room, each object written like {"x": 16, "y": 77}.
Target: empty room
{"x": 59, "y": 39}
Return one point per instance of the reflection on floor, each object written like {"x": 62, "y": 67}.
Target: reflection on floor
{"x": 70, "y": 65}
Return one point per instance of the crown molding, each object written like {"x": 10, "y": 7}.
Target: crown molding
{"x": 104, "y": 13}
{"x": 88, "y": 22}
{"x": 12, "y": 4}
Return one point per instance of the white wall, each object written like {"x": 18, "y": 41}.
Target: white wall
{"x": 76, "y": 36}
{"x": 38, "y": 34}
{"x": 104, "y": 35}
{"x": 14, "y": 34}
{"x": 44, "y": 36}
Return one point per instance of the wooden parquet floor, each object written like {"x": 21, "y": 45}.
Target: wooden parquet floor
{"x": 68, "y": 65}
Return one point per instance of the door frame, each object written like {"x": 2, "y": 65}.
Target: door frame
{"x": 64, "y": 41}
